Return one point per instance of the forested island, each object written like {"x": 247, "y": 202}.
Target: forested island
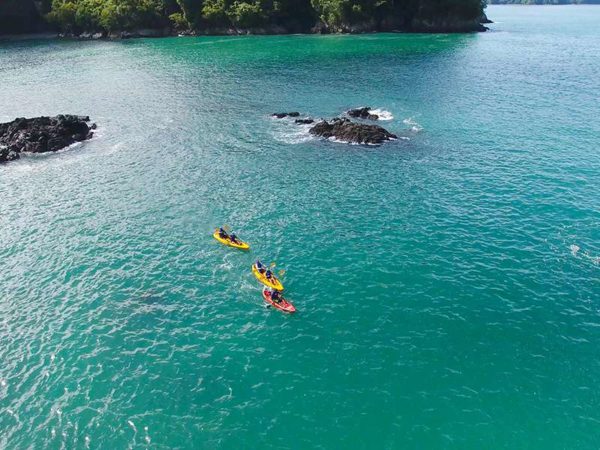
{"x": 125, "y": 18}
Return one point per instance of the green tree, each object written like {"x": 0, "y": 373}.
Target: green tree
{"x": 294, "y": 15}
{"x": 63, "y": 14}
{"x": 191, "y": 10}
{"x": 246, "y": 15}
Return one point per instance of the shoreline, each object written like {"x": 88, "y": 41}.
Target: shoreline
{"x": 126, "y": 35}
{"x": 421, "y": 27}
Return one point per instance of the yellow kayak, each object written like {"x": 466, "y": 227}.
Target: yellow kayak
{"x": 273, "y": 283}
{"x": 241, "y": 245}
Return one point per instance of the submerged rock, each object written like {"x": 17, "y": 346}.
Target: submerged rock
{"x": 289, "y": 114}
{"x": 352, "y": 132}
{"x": 304, "y": 121}
{"x": 363, "y": 113}
{"x": 42, "y": 134}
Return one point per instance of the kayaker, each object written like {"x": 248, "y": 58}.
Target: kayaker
{"x": 260, "y": 267}
{"x": 222, "y": 233}
{"x": 276, "y": 296}
{"x": 269, "y": 275}
{"x": 233, "y": 238}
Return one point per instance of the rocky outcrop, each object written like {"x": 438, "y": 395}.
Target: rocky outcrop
{"x": 484, "y": 19}
{"x": 283, "y": 115}
{"x": 42, "y": 134}
{"x": 351, "y": 132}
{"x": 304, "y": 121}
{"x": 362, "y": 113}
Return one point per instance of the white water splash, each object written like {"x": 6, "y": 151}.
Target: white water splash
{"x": 413, "y": 124}
{"x": 292, "y": 133}
{"x": 383, "y": 114}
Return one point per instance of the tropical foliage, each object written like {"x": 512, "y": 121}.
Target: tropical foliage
{"x": 289, "y": 15}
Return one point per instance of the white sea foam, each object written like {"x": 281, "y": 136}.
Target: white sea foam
{"x": 413, "y": 124}
{"x": 383, "y": 114}
{"x": 132, "y": 425}
{"x": 292, "y": 133}
{"x": 575, "y": 251}
{"x": 227, "y": 265}
{"x": 341, "y": 141}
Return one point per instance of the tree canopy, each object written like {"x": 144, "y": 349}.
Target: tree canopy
{"x": 289, "y": 15}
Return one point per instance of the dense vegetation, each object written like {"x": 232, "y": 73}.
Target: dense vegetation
{"x": 268, "y": 15}
{"x": 22, "y": 16}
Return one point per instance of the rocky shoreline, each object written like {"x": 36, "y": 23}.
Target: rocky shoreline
{"x": 158, "y": 33}
{"x": 448, "y": 25}
{"x": 420, "y": 27}
{"x": 42, "y": 135}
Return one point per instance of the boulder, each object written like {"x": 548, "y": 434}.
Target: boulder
{"x": 42, "y": 134}
{"x": 352, "y": 132}
{"x": 304, "y": 121}
{"x": 282, "y": 115}
{"x": 363, "y": 113}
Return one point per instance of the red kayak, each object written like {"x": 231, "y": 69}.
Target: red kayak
{"x": 283, "y": 305}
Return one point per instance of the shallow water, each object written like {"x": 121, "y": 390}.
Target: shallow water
{"x": 447, "y": 283}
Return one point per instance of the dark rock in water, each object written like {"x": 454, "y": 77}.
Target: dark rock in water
{"x": 42, "y": 134}
{"x": 303, "y": 121}
{"x": 363, "y": 113}
{"x": 484, "y": 19}
{"x": 289, "y": 114}
{"x": 7, "y": 154}
{"x": 352, "y": 132}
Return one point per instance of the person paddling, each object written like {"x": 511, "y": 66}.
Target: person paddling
{"x": 276, "y": 296}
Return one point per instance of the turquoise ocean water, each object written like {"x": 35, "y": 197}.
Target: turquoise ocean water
{"x": 448, "y": 283}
